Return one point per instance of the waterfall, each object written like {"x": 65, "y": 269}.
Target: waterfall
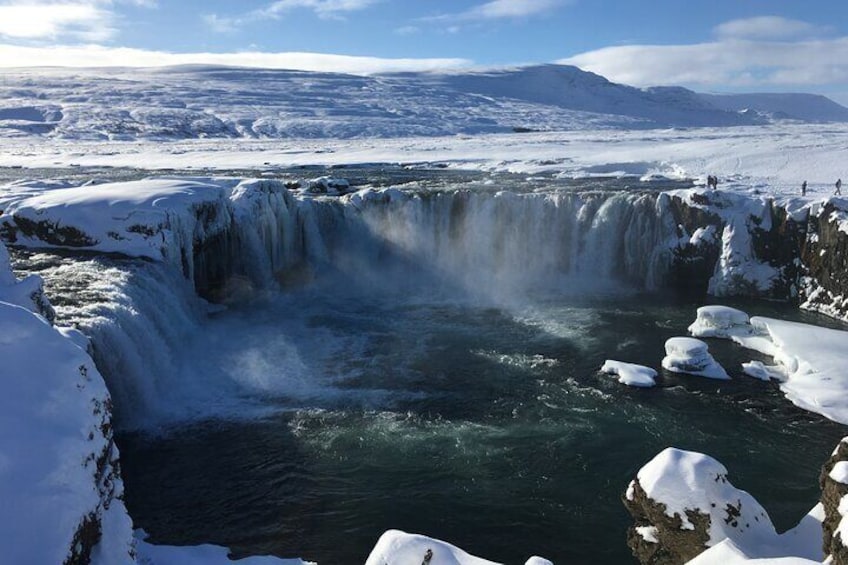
{"x": 500, "y": 243}
{"x": 503, "y": 246}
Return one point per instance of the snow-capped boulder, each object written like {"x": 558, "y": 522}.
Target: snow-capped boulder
{"x": 691, "y": 356}
{"x": 720, "y": 321}
{"x": 683, "y": 503}
{"x": 630, "y": 374}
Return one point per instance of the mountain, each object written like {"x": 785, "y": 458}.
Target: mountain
{"x": 803, "y": 107}
{"x": 201, "y": 101}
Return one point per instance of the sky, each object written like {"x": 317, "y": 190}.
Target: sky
{"x": 707, "y": 45}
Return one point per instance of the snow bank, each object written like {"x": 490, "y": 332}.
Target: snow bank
{"x": 58, "y": 479}
{"x": 691, "y": 356}
{"x": 630, "y": 374}
{"x": 399, "y": 548}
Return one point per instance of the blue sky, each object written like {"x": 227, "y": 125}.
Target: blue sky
{"x": 718, "y": 45}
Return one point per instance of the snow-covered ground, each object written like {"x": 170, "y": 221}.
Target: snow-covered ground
{"x": 771, "y": 159}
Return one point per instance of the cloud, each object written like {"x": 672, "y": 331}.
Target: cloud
{"x": 737, "y": 58}
{"x": 768, "y": 27}
{"x": 84, "y": 20}
{"x": 100, "y": 56}
{"x": 500, "y": 9}
{"x": 325, "y": 9}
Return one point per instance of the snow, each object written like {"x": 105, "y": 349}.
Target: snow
{"x": 810, "y": 360}
{"x": 648, "y": 533}
{"x": 839, "y": 473}
{"x": 691, "y": 356}
{"x": 630, "y": 374}
{"x": 399, "y": 547}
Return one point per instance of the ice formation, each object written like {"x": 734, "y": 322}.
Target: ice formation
{"x": 691, "y": 356}
{"x": 630, "y": 374}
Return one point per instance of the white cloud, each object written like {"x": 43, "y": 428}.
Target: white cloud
{"x": 99, "y": 56}
{"x": 729, "y": 61}
{"x": 85, "y": 20}
{"x": 325, "y": 9}
{"x": 501, "y": 9}
{"x": 768, "y": 27}
{"x": 510, "y": 9}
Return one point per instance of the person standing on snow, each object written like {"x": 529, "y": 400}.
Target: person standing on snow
{"x": 804, "y": 188}
{"x": 838, "y": 187}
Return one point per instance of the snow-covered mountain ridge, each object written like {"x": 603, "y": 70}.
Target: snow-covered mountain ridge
{"x": 220, "y": 102}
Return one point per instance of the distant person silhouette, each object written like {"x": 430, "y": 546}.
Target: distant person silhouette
{"x": 838, "y": 187}
{"x": 804, "y": 188}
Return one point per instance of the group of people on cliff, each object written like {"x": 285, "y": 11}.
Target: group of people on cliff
{"x": 712, "y": 182}
{"x": 838, "y": 190}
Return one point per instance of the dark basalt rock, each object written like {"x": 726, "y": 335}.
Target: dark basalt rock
{"x": 675, "y": 545}
{"x": 832, "y": 493}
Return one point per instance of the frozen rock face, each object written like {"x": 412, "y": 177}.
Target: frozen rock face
{"x": 834, "y": 486}
{"x": 825, "y": 255}
{"x": 692, "y": 357}
{"x": 682, "y": 503}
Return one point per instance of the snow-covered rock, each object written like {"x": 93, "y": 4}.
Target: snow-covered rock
{"x": 59, "y": 477}
{"x": 327, "y": 185}
{"x": 399, "y": 548}
{"x": 630, "y": 374}
{"x": 720, "y": 321}
{"x": 683, "y": 504}
{"x": 691, "y": 356}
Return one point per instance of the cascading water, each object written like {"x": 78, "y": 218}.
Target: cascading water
{"x": 429, "y": 364}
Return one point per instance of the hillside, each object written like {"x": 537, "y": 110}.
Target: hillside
{"x": 803, "y": 107}
{"x": 221, "y": 102}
